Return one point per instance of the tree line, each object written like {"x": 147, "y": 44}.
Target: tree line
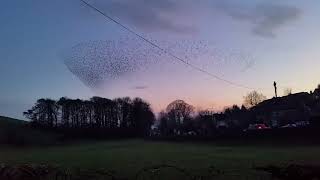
{"x": 121, "y": 116}
{"x": 126, "y": 117}
{"x": 132, "y": 117}
{"x": 181, "y": 119}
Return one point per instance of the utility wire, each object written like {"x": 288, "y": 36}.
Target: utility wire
{"x": 165, "y": 51}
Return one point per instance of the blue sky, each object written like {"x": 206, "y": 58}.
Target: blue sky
{"x": 279, "y": 39}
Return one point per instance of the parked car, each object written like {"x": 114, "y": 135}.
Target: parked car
{"x": 302, "y": 123}
{"x": 289, "y": 126}
{"x": 296, "y": 124}
{"x": 257, "y": 127}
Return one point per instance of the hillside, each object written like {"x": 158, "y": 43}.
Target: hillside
{"x": 17, "y": 132}
{"x": 10, "y": 122}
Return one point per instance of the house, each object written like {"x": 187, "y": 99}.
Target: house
{"x": 220, "y": 121}
{"x": 284, "y": 110}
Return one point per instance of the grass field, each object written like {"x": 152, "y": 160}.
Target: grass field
{"x": 125, "y": 158}
{"x": 17, "y": 132}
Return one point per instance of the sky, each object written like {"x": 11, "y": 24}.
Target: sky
{"x": 64, "y": 48}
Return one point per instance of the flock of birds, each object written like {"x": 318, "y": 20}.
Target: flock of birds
{"x": 97, "y": 62}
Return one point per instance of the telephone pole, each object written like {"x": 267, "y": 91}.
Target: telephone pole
{"x": 275, "y": 89}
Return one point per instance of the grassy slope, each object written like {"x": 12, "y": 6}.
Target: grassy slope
{"x": 127, "y": 157}
{"x": 18, "y": 132}
{"x": 6, "y": 122}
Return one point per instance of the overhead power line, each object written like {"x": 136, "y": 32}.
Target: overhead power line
{"x": 165, "y": 51}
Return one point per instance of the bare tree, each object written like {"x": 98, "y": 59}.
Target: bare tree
{"x": 287, "y": 91}
{"x": 179, "y": 115}
{"x": 253, "y": 98}
{"x": 180, "y": 110}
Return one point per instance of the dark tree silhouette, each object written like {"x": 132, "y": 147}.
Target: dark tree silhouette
{"x": 205, "y": 123}
{"x": 317, "y": 90}
{"x": 179, "y": 116}
{"x": 65, "y": 106}
{"x": 142, "y": 117}
{"x": 44, "y": 113}
{"x": 163, "y": 126}
{"x": 124, "y": 111}
{"x": 126, "y": 117}
{"x": 119, "y": 117}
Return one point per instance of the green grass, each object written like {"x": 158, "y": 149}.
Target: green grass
{"x": 127, "y": 157}
{"x": 6, "y": 122}
{"x": 17, "y": 132}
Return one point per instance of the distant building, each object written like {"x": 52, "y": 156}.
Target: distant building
{"x": 222, "y": 125}
{"x": 220, "y": 121}
{"x": 284, "y": 110}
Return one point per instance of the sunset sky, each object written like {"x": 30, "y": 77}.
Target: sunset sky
{"x": 64, "y": 48}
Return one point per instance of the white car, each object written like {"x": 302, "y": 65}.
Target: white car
{"x": 289, "y": 126}
{"x": 257, "y": 127}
